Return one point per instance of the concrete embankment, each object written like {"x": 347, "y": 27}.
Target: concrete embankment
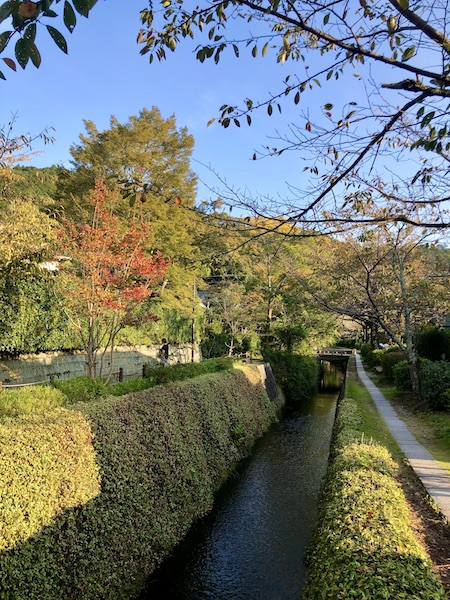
{"x": 31, "y": 368}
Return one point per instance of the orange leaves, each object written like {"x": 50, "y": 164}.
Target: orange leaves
{"x": 28, "y": 10}
{"x": 111, "y": 268}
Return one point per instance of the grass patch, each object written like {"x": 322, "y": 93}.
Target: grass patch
{"x": 369, "y": 425}
{"x": 364, "y": 546}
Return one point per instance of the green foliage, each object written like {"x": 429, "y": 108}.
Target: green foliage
{"x": 47, "y": 466}
{"x": 433, "y": 344}
{"x": 401, "y": 376}
{"x": 80, "y": 389}
{"x": 24, "y": 17}
{"x": 435, "y": 381}
{"x": 371, "y": 357}
{"x": 37, "y": 184}
{"x": 365, "y": 350}
{"x": 37, "y": 399}
{"x": 215, "y": 344}
{"x": 290, "y": 336}
{"x": 159, "y": 374}
{"x": 161, "y": 454}
{"x": 364, "y": 546}
{"x": 127, "y": 387}
{"x": 86, "y": 389}
{"x": 31, "y": 319}
{"x": 297, "y": 375}
{"x": 388, "y": 362}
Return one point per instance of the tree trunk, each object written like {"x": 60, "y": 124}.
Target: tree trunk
{"x": 414, "y": 375}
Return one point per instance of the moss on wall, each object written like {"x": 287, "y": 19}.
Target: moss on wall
{"x": 91, "y": 517}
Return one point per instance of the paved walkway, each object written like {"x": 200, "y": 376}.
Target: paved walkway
{"x": 435, "y": 479}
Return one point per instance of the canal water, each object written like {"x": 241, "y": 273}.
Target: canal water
{"x": 252, "y": 545}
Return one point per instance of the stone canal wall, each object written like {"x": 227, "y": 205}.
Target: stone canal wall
{"x": 37, "y": 368}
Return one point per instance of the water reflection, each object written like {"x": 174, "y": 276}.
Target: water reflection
{"x": 251, "y": 546}
{"x": 332, "y": 375}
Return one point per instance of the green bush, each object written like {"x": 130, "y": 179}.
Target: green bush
{"x": 433, "y": 344}
{"x": 435, "y": 381}
{"x": 365, "y": 350}
{"x": 159, "y": 454}
{"x": 388, "y": 362}
{"x": 37, "y": 399}
{"x": 128, "y": 386}
{"x": 373, "y": 358}
{"x": 401, "y": 376}
{"x": 297, "y": 375}
{"x": 364, "y": 546}
{"x": 80, "y": 389}
{"x": 159, "y": 374}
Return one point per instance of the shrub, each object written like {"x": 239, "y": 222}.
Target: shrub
{"x": 433, "y": 344}
{"x": 161, "y": 454}
{"x": 364, "y": 546}
{"x": 28, "y": 400}
{"x": 128, "y": 386}
{"x": 371, "y": 357}
{"x": 179, "y": 372}
{"x": 365, "y": 350}
{"x": 80, "y": 389}
{"x": 297, "y": 375}
{"x": 401, "y": 376}
{"x": 435, "y": 381}
{"x": 388, "y": 362}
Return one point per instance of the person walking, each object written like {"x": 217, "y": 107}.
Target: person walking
{"x": 164, "y": 352}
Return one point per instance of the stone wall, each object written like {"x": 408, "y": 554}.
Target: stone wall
{"x": 37, "y": 368}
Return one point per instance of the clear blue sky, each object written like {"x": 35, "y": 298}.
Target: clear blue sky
{"x": 105, "y": 75}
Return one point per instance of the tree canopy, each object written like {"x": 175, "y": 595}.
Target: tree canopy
{"x": 145, "y": 162}
{"x": 382, "y": 139}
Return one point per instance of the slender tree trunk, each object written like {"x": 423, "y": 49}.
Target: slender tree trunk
{"x": 408, "y": 333}
{"x": 90, "y": 350}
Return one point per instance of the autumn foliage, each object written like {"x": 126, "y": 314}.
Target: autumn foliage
{"x": 110, "y": 274}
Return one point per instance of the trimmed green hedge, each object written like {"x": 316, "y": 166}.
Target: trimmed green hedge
{"x": 160, "y": 455}
{"x": 297, "y": 375}
{"x": 83, "y": 388}
{"x": 158, "y": 375}
{"x": 364, "y": 546}
{"x": 388, "y": 362}
{"x": 36, "y": 399}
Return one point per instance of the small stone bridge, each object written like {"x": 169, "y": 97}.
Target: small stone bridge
{"x": 335, "y": 354}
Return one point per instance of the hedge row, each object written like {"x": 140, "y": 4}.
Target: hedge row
{"x": 434, "y": 382}
{"x": 85, "y": 388}
{"x": 364, "y": 546}
{"x": 296, "y": 374}
{"x": 159, "y": 455}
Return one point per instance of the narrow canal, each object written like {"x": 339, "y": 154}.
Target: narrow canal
{"x": 252, "y": 545}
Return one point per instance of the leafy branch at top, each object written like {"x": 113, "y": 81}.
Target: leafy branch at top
{"x": 25, "y": 16}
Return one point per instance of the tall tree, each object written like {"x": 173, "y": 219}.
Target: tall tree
{"x": 145, "y": 162}
{"x": 109, "y": 279}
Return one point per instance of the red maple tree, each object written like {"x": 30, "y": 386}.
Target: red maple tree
{"x": 109, "y": 277}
